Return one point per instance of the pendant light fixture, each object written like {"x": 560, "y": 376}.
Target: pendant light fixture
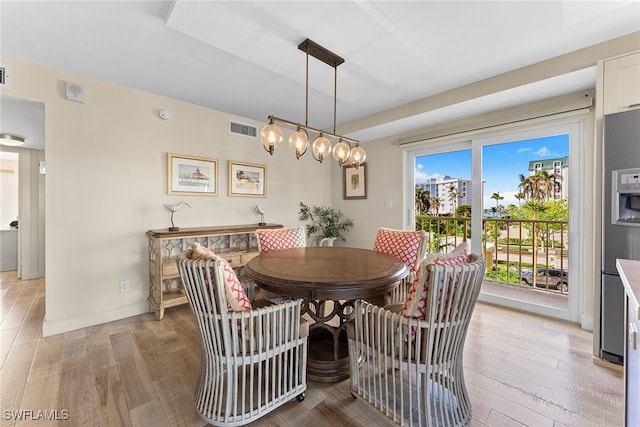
{"x": 321, "y": 148}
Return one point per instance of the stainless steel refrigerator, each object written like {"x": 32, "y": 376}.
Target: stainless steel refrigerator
{"x": 620, "y": 223}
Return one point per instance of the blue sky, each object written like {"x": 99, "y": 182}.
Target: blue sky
{"x": 502, "y": 164}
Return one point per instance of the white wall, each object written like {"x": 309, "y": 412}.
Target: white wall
{"x": 8, "y": 188}
{"x": 106, "y": 186}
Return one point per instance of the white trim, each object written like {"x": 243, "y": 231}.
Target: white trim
{"x": 586, "y": 322}
{"x": 509, "y": 127}
{"x": 66, "y": 324}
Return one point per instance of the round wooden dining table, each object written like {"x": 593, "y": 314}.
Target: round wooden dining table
{"x": 328, "y": 280}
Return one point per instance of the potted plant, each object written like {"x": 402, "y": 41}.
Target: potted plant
{"x": 324, "y": 223}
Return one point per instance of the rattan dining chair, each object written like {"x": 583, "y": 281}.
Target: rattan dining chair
{"x": 408, "y": 364}
{"x": 275, "y": 240}
{"x": 281, "y": 238}
{"x": 410, "y": 247}
{"x": 253, "y": 359}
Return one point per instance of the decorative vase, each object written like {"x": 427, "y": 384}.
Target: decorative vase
{"x": 327, "y": 241}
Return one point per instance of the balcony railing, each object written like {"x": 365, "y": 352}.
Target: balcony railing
{"x": 511, "y": 247}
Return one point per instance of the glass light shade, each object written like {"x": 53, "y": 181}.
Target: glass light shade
{"x": 299, "y": 142}
{"x": 358, "y": 155}
{"x": 271, "y": 136}
{"x": 341, "y": 152}
{"x": 321, "y": 148}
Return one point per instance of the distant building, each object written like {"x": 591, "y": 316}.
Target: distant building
{"x": 559, "y": 167}
{"x": 441, "y": 188}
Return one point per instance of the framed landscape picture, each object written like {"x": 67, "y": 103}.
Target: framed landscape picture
{"x": 247, "y": 179}
{"x": 355, "y": 182}
{"x": 192, "y": 175}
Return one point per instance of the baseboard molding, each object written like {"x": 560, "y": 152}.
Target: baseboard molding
{"x": 607, "y": 364}
{"x": 586, "y": 322}
{"x": 58, "y": 326}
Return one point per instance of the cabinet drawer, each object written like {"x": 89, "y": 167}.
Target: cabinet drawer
{"x": 169, "y": 268}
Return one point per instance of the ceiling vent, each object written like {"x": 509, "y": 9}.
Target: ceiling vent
{"x": 242, "y": 129}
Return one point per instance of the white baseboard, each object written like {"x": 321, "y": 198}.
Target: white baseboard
{"x": 586, "y": 322}
{"x": 58, "y": 326}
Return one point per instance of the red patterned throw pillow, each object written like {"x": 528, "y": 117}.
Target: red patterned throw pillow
{"x": 416, "y": 303}
{"x": 402, "y": 244}
{"x": 275, "y": 240}
{"x": 236, "y": 297}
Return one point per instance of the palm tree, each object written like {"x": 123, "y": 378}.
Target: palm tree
{"x": 539, "y": 186}
{"x": 453, "y": 197}
{"x": 497, "y": 197}
{"x": 525, "y": 188}
{"x": 422, "y": 201}
{"x": 435, "y": 203}
{"x": 519, "y": 196}
{"x": 535, "y": 207}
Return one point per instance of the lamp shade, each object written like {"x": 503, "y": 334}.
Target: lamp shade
{"x": 358, "y": 156}
{"x": 271, "y": 137}
{"x": 299, "y": 142}
{"x": 341, "y": 152}
{"x": 321, "y": 148}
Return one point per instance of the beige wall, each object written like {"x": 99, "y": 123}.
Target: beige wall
{"x": 106, "y": 186}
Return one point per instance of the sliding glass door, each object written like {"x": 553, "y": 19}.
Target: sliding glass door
{"x": 514, "y": 198}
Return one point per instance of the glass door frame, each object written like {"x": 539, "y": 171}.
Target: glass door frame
{"x": 574, "y": 128}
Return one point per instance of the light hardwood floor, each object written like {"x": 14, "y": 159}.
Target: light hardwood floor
{"x": 520, "y": 370}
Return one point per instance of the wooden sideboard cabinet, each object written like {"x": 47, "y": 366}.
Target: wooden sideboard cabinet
{"x": 236, "y": 243}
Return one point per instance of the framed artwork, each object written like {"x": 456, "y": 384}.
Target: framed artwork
{"x": 247, "y": 179}
{"x": 355, "y": 182}
{"x": 192, "y": 175}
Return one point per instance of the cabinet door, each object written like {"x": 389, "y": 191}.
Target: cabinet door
{"x": 632, "y": 367}
{"x": 621, "y": 84}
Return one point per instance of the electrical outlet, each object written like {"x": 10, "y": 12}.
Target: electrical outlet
{"x": 124, "y": 286}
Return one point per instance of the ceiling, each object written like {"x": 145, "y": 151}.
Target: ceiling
{"x": 241, "y": 57}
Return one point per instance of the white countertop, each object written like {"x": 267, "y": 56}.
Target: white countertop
{"x": 630, "y": 274}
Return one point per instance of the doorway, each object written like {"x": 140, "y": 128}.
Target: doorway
{"x": 26, "y": 119}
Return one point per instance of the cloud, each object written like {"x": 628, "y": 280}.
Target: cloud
{"x": 525, "y": 149}
{"x": 422, "y": 177}
{"x": 543, "y": 151}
